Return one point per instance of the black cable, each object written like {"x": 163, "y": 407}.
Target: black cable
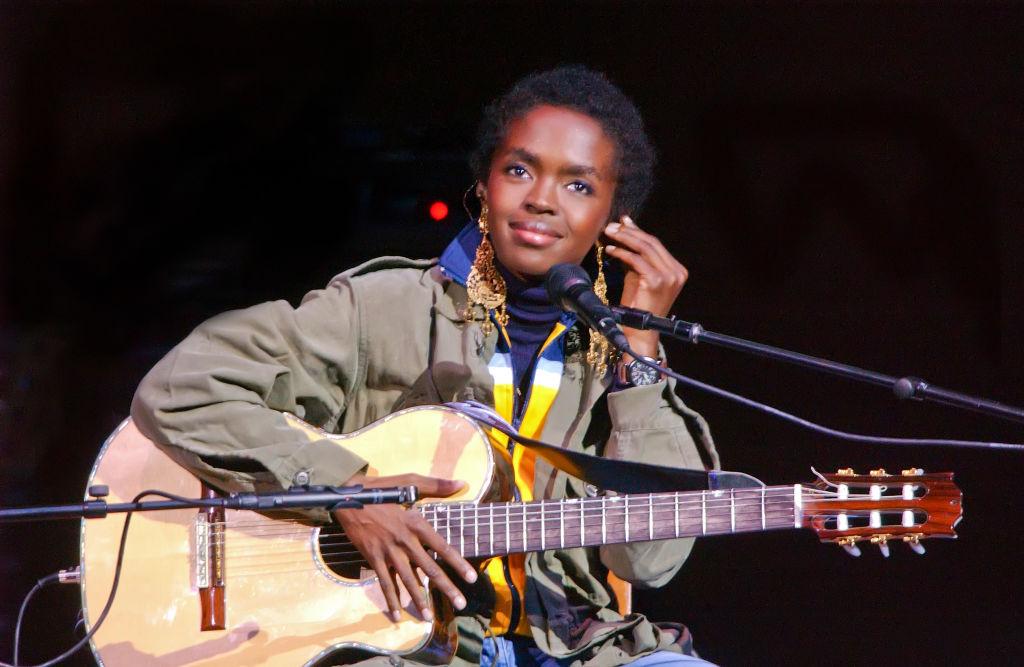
{"x": 40, "y": 585}
{"x": 113, "y": 588}
{"x": 818, "y": 428}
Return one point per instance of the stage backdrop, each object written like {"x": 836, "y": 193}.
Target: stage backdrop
{"x": 841, "y": 180}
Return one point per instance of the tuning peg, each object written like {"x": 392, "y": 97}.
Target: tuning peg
{"x": 846, "y": 472}
{"x": 879, "y": 473}
{"x": 883, "y": 543}
{"x": 914, "y": 542}
{"x": 912, "y": 472}
{"x": 849, "y": 545}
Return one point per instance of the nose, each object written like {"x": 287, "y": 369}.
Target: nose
{"x": 541, "y": 197}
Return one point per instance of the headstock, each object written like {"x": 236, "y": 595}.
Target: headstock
{"x": 847, "y": 508}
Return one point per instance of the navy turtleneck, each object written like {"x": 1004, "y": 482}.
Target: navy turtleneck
{"x": 531, "y": 316}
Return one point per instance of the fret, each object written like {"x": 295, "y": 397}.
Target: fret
{"x": 650, "y": 516}
{"x": 447, "y": 526}
{"x": 561, "y": 525}
{"x": 462, "y": 530}
{"x": 508, "y": 528}
{"x": 490, "y": 545}
{"x": 764, "y": 519}
{"x": 542, "y": 528}
{"x": 732, "y": 510}
{"x": 703, "y": 513}
{"x": 604, "y": 520}
{"x": 798, "y": 506}
{"x": 583, "y": 511}
{"x": 676, "y": 496}
{"x": 627, "y": 522}
{"x": 476, "y": 531}
{"x": 525, "y": 547}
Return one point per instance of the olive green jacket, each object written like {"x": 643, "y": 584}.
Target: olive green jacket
{"x": 388, "y": 335}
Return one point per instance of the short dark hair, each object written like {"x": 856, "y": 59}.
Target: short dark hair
{"x": 586, "y": 91}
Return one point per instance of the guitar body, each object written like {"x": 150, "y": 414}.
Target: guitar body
{"x": 282, "y": 604}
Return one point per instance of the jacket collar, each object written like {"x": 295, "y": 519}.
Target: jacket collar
{"x": 457, "y": 258}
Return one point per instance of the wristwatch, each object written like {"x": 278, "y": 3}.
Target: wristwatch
{"x": 635, "y": 374}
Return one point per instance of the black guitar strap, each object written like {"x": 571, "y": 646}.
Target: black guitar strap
{"x": 610, "y": 474}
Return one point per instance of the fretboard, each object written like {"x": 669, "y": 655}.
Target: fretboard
{"x": 503, "y": 528}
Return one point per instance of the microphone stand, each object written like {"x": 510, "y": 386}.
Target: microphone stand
{"x": 297, "y": 497}
{"x": 908, "y": 387}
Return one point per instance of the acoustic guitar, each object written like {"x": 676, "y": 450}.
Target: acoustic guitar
{"x": 227, "y": 588}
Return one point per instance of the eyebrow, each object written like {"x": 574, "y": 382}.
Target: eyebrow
{"x": 572, "y": 170}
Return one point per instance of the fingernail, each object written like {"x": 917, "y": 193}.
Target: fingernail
{"x": 629, "y": 221}
{"x": 610, "y": 248}
{"x": 460, "y": 602}
{"x": 470, "y": 576}
{"x": 395, "y": 616}
{"x": 612, "y": 228}
{"x": 427, "y": 614}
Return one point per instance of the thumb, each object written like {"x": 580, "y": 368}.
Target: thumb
{"x": 437, "y": 487}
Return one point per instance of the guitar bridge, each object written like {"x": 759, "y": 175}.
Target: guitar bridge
{"x": 201, "y": 561}
{"x": 209, "y": 564}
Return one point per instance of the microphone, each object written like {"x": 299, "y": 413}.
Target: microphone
{"x": 570, "y": 287}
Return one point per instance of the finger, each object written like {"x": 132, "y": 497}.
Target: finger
{"x": 447, "y": 552}
{"x": 642, "y": 243}
{"x": 439, "y": 578}
{"x": 413, "y": 586}
{"x": 637, "y": 263}
{"x": 436, "y": 487}
{"x": 387, "y": 586}
{"x": 655, "y": 252}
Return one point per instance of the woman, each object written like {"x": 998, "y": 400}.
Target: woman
{"x": 562, "y": 163}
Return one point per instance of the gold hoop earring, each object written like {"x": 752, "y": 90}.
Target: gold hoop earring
{"x": 600, "y": 351}
{"x": 485, "y": 286}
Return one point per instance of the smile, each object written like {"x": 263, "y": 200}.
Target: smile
{"x": 535, "y": 234}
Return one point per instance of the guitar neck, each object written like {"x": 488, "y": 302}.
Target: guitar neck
{"x": 504, "y": 528}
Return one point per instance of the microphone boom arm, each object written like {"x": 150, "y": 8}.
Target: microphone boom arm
{"x": 907, "y": 387}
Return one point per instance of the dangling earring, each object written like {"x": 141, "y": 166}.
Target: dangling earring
{"x": 485, "y": 285}
{"x": 600, "y": 350}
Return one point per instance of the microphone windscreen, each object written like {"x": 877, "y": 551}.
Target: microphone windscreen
{"x": 562, "y": 277}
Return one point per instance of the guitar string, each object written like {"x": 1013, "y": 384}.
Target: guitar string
{"x": 551, "y": 507}
{"x": 510, "y": 512}
{"x": 512, "y": 516}
{"x": 472, "y": 534}
{"x": 332, "y": 559}
{"x": 480, "y": 521}
{"x": 336, "y": 560}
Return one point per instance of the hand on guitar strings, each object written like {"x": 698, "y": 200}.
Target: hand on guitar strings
{"x": 392, "y": 540}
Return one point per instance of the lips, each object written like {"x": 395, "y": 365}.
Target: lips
{"x": 535, "y": 234}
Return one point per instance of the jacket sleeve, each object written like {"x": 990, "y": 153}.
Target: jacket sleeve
{"x": 214, "y": 403}
{"x": 651, "y": 424}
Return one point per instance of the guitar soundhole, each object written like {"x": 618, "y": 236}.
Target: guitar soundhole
{"x": 340, "y": 556}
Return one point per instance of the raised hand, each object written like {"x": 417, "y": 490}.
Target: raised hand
{"x": 654, "y": 277}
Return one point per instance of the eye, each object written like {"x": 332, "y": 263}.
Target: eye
{"x": 582, "y": 187}
{"x": 517, "y": 170}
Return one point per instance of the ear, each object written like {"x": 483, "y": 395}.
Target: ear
{"x": 481, "y": 191}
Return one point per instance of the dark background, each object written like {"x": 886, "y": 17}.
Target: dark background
{"x": 840, "y": 180}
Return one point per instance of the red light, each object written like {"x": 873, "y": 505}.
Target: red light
{"x": 439, "y": 211}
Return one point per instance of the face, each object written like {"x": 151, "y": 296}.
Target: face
{"x": 549, "y": 191}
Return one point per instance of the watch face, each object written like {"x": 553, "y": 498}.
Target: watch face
{"x": 641, "y": 375}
